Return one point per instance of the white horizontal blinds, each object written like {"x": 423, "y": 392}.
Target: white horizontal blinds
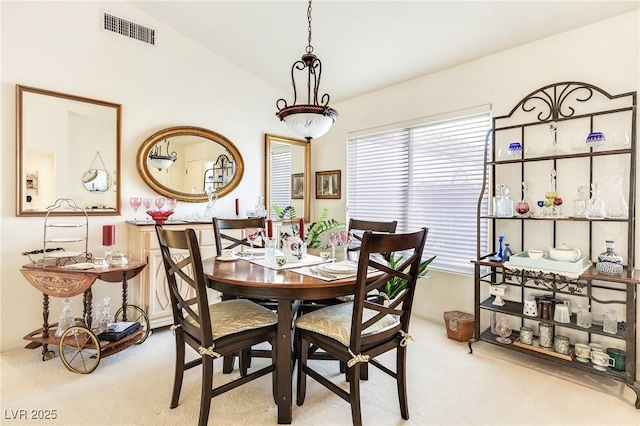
{"x": 445, "y": 181}
{"x": 424, "y": 175}
{"x": 377, "y": 174}
{"x": 280, "y": 179}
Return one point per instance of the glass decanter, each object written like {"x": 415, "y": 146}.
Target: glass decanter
{"x": 618, "y": 207}
{"x": 66, "y": 318}
{"x": 106, "y": 317}
{"x": 580, "y": 203}
{"x": 502, "y": 203}
{"x": 552, "y": 202}
{"x": 212, "y": 197}
{"x": 522, "y": 207}
{"x": 260, "y": 209}
{"x": 595, "y": 205}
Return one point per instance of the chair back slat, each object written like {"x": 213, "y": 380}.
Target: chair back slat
{"x": 358, "y": 227}
{"x": 183, "y": 264}
{"x": 374, "y": 247}
{"x": 228, "y": 241}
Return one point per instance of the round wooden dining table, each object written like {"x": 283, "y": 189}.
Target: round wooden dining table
{"x": 247, "y": 279}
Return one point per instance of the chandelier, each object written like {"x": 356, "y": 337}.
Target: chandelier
{"x": 313, "y": 119}
{"x": 159, "y": 161}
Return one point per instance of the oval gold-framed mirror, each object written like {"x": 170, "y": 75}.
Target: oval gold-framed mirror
{"x": 287, "y": 175}
{"x": 184, "y": 162}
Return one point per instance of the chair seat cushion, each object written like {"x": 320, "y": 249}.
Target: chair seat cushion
{"x": 335, "y": 322}
{"x": 234, "y": 316}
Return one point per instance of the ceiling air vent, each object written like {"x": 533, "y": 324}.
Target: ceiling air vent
{"x": 129, "y": 29}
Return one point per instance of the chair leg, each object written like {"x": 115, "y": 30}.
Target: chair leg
{"x": 303, "y": 351}
{"x": 206, "y": 392}
{"x": 244, "y": 361}
{"x": 401, "y": 369}
{"x": 227, "y": 364}
{"x": 354, "y": 394}
{"x": 274, "y": 374}
{"x": 179, "y": 369}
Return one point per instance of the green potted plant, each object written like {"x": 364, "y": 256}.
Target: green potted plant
{"x": 396, "y": 285}
{"x": 313, "y": 231}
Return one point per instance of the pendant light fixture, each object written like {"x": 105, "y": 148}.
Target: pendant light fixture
{"x": 159, "y": 161}
{"x": 313, "y": 119}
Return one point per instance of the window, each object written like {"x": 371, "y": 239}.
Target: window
{"x": 428, "y": 174}
{"x": 280, "y": 182}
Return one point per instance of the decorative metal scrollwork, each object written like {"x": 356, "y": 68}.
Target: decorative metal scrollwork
{"x": 557, "y": 101}
{"x": 549, "y": 281}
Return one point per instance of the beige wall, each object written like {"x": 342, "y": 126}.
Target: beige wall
{"x": 59, "y": 46}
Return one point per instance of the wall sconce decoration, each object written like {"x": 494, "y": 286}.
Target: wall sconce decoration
{"x": 159, "y": 161}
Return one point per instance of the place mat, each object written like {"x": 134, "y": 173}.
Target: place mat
{"x": 308, "y": 260}
{"x": 320, "y": 274}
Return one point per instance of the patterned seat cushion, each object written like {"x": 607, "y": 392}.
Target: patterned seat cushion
{"x": 233, "y": 316}
{"x": 335, "y": 322}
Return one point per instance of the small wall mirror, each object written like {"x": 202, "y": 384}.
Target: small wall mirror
{"x": 186, "y": 162}
{"x": 287, "y": 166}
{"x": 68, "y": 147}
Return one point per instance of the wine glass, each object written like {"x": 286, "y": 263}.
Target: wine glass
{"x": 159, "y": 202}
{"x": 172, "y": 203}
{"x": 334, "y": 237}
{"x": 147, "y": 202}
{"x": 135, "y": 204}
{"x": 251, "y": 234}
{"x": 345, "y": 240}
{"x": 503, "y": 330}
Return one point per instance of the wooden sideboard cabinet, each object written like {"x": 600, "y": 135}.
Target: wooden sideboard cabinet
{"x": 152, "y": 292}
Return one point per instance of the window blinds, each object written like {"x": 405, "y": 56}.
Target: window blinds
{"x": 426, "y": 175}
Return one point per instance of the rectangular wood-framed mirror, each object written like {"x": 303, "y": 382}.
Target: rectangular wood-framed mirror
{"x": 287, "y": 162}
{"x": 66, "y": 147}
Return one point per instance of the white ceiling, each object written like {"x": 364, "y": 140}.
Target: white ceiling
{"x": 368, "y": 45}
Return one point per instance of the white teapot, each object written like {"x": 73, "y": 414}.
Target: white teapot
{"x": 564, "y": 253}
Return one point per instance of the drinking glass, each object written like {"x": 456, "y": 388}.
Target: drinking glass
{"x": 147, "y": 202}
{"x": 172, "y": 203}
{"x": 135, "y": 204}
{"x": 345, "y": 240}
{"x": 334, "y": 237}
{"x": 159, "y": 202}
{"x": 251, "y": 234}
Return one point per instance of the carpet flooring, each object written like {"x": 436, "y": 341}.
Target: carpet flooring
{"x": 447, "y": 386}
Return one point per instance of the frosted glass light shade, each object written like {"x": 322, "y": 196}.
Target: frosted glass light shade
{"x": 161, "y": 163}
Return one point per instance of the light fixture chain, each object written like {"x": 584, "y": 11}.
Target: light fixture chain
{"x": 309, "y": 46}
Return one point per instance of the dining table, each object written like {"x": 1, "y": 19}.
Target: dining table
{"x": 252, "y": 280}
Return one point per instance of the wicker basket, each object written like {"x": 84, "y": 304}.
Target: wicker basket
{"x": 459, "y": 325}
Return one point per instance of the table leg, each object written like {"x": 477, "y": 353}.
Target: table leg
{"x": 45, "y": 323}
{"x": 124, "y": 296}
{"x": 284, "y": 371}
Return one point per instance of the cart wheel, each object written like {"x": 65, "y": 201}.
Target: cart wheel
{"x": 48, "y": 355}
{"x": 79, "y": 350}
{"x": 136, "y": 314}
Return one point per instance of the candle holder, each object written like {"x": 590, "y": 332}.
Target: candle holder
{"x": 107, "y": 251}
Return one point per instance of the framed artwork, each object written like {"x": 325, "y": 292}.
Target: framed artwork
{"x": 297, "y": 186}
{"x": 328, "y": 184}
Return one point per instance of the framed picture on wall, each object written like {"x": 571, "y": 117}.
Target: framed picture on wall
{"x": 297, "y": 186}
{"x": 328, "y": 184}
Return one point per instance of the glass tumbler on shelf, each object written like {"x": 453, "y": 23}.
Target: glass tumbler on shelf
{"x": 583, "y": 317}
{"x": 610, "y": 322}
{"x": 595, "y": 205}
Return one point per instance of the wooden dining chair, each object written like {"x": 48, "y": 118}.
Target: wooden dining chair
{"x": 357, "y": 228}
{"x": 357, "y": 332}
{"x": 226, "y": 240}
{"x": 213, "y": 331}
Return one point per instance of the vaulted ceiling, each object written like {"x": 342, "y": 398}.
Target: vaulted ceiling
{"x": 368, "y": 45}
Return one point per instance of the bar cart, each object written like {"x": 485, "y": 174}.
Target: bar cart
{"x": 64, "y": 274}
